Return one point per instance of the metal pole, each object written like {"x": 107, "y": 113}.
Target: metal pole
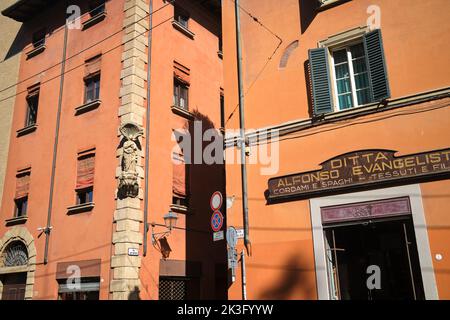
{"x": 242, "y": 130}
{"x": 244, "y": 276}
{"x": 147, "y": 128}
{"x": 407, "y": 243}
{"x": 55, "y": 146}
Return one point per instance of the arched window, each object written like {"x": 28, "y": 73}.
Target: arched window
{"x": 15, "y": 254}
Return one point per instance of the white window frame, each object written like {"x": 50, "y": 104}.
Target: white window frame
{"x": 421, "y": 233}
{"x": 338, "y": 41}
{"x": 345, "y": 46}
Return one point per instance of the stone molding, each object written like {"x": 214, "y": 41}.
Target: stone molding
{"x": 128, "y": 217}
{"x": 23, "y": 235}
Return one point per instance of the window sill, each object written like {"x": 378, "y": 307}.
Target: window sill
{"x": 17, "y": 269}
{"x": 87, "y": 107}
{"x": 179, "y": 209}
{"x": 35, "y": 51}
{"x": 298, "y": 125}
{"x": 352, "y": 111}
{"x": 26, "y": 130}
{"x": 94, "y": 20}
{"x": 183, "y": 113}
{"x": 16, "y": 220}
{"x": 79, "y": 208}
{"x": 183, "y": 29}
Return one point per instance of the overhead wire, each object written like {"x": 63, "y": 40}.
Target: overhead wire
{"x": 269, "y": 59}
{"x": 89, "y": 47}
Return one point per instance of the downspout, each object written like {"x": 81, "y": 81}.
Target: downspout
{"x": 242, "y": 130}
{"x": 55, "y": 146}
{"x": 244, "y": 277}
{"x": 147, "y": 127}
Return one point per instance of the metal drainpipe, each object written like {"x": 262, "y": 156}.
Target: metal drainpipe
{"x": 244, "y": 277}
{"x": 147, "y": 127}
{"x": 247, "y": 242}
{"x": 55, "y": 145}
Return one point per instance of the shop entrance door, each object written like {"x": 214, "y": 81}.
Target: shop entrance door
{"x": 383, "y": 248}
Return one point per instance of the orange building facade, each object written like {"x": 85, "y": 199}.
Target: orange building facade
{"x": 91, "y": 172}
{"x": 347, "y": 141}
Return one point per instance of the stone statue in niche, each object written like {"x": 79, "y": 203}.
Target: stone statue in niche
{"x": 128, "y": 179}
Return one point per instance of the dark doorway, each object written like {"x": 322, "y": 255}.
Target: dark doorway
{"x": 389, "y": 245}
{"x": 14, "y": 286}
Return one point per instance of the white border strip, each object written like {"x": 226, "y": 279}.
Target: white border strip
{"x": 423, "y": 246}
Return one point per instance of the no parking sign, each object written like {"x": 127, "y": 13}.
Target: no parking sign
{"x": 216, "y": 221}
{"x": 217, "y": 217}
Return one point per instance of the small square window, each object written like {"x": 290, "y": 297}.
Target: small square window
{"x": 21, "y": 207}
{"x": 96, "y": 8}
{"x": 39, "y": 38}
{"x": 85, "y": 195}
{"x": 181, "y": 17}
{"x": 180, "y": 201}
{"x": 92, "y": 88}
{"x": 180, "y": 95}
{"x": 32, "y": 109}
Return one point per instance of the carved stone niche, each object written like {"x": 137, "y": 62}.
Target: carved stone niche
{"x": 128, "y": 178}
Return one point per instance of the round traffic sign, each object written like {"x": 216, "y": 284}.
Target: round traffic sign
{"x": 216, "y": 221}
{"x": 231, "y": 237}
{"x": 216, "y": 200}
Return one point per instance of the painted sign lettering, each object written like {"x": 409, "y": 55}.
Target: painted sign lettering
{"x": 359, "y": 168}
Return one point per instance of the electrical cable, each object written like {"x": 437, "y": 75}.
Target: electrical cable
{"x": 280, "y": 41}
{"x": 87, "y": 48}
{"x": 81, "y": 65}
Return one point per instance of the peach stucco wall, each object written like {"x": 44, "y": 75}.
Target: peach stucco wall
{"x": 415, "y": 43}
{"x": 200, "y": 56}
{"x": 415, "y": 36}
{"x": 88, "y": 236}
{"x": 84, "y": 236}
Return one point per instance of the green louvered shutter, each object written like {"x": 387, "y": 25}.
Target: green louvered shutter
{"x": 373, "y": 45}
{"x": 320, "y": 80}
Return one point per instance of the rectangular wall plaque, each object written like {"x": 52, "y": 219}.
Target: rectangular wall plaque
{"x": 366, "y": 210}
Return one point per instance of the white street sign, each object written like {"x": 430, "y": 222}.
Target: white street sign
{"x": 231, "y": 237}
{"x": 218, "y": 236}
{"x": 240, "y": 233}
{"x": 133, "y": 252}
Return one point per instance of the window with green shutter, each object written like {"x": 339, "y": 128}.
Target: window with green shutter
{"x": 349, "y": 74}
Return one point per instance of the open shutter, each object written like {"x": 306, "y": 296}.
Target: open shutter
{"x": 85, "y": 171}
{"x": 181, "y": 73}
{"x": 179, "y": 175}
{"x": 376, "y": 63}
{"x": 23, "y": 185}
{"x": 320, "y": 80}
{"x": 92, "y": 66}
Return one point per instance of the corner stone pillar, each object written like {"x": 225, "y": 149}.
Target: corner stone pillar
{"x": 128, "y": 217}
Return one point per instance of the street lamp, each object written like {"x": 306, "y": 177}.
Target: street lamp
{"x": 170, "y": 222}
